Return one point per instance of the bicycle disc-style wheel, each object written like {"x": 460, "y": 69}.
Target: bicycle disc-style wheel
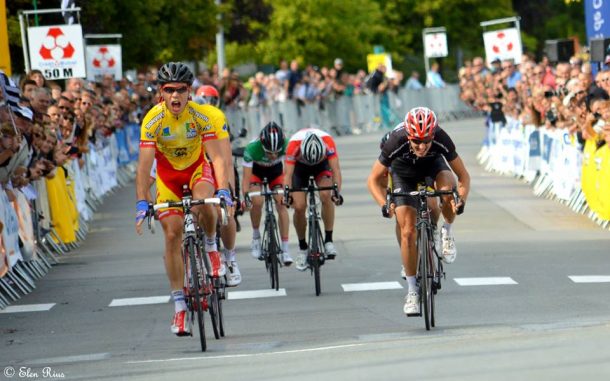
{"x": 196, "y": 290}
{"x": 425, "y": 284}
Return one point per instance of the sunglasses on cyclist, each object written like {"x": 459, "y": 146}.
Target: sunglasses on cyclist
{"x": 171, "y": 90}
{"x": 419, "y": 141}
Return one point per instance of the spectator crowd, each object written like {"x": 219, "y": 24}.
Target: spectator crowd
{"x": 564, "y": 95}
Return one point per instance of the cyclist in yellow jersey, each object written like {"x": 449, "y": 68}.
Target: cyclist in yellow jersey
{"x": 178, "y": 133}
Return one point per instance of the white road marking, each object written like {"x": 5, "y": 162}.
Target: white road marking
{"x": 27, "y": 308}
{"x": 590, "y": 278}
{"x": 254, "y": 294}
{"x": 70, "y": 359}
{"x": 139, "y": 301}
{"x": 484, "y": 281}
{"x": 247, "y": 355}
{"x": 349, "y": 287}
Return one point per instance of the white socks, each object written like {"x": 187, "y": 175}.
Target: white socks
{"x": 411, "y": 281}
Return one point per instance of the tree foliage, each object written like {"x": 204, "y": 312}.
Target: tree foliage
{"x": 319, "y": 31}
{"x": 313, "y": 31}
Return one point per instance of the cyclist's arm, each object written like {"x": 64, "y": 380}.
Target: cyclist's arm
{"x": 245, "y": 184}
{"x": 457, "y": 165}
{"x": 145, "y": 162}
{"x": 335, "y": 168}
{"x": 220, "y": 154}
{"x": 288, "y": 172}
{"x": 377, "y": 182}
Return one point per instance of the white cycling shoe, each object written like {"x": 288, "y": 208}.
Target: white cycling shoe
{"x": 233, "y": 274}
{"x": 286, "y": 259}
{"x": 256, "y": 248}
{"x": 329, "y": 250}
{"x": 449, "y": 251}
{"x": 301, "y": 262}
{"x": 411, "y": 307}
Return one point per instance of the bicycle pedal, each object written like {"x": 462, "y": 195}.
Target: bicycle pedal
{"x": 414, "y": 315}
{"x": 330, "y": 256}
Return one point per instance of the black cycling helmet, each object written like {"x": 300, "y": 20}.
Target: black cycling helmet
{"x": 272, "y": 137}
{"x": 175, "y": 72}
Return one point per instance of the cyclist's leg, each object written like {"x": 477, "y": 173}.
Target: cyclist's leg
{"x": 171, "y": 221}
{"x": 324, "y": 179}
{"x": 203, "y": 186}
{"x": 282, "y": 212}
{"x": 299, "y": 204}
{"x": 445, "y": 180}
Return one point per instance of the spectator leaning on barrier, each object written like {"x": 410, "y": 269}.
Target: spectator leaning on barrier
{"x": 413, "y": 82}
{"x": 433, "y": 77}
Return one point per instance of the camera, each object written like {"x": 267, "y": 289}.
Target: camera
{"x": 551, "y": 116}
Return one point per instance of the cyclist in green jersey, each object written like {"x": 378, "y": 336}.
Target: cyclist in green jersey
{"x": 264, "y": 158}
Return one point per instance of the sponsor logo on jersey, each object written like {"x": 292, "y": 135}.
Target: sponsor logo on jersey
{"x": 199, "y": 115}
{"x": 154, "y": 120}
{"x": 149, "y": 135}
{"x": 191, "y": 131}
{"x": 166, "y": 132}
{"x": 225, "y": 127}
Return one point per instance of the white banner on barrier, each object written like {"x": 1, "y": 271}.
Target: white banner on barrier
{"x": 10, "y": 233}
{"x": 26, "y": 228}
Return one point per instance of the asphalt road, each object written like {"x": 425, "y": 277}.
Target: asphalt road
{"x": 539, "y": 322}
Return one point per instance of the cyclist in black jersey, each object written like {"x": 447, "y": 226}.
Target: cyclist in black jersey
{"x": 418, "y": 152}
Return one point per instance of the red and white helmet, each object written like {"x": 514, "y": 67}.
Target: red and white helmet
{"x": 206, "y": 94}
{"x": 420, "y": 123}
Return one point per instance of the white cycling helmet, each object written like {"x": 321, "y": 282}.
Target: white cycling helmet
{"x": 313, "y": 149}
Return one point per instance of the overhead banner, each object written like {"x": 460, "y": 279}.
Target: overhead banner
{"x": 503, "y": 44}
{"x": 57, "y": 51}
{"x": 5, "y": 57}
{"x": 435, "y": 45}
{"x": 102, "y": 60}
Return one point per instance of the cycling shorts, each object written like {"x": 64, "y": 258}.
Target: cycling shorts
{"x": 274, "y": 175}
{"x": 426, "y": 177}
{"x": 302, "y": 172}
{"x": 170, "y": 182}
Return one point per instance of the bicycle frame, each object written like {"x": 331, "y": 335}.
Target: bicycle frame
{"x": 315, "y": 243}
{"x": 270, "y": 234}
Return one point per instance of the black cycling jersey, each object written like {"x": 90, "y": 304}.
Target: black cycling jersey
{"x": 398, "y": 154}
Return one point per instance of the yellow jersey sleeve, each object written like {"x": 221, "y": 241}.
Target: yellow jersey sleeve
{"x": 211, "y": 121}
{"x": 151, "y": 125}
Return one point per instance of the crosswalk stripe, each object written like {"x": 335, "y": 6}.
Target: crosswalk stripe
{"x": 349, "y": 287}
{"x": 490, "y": 281}
{"x": 139, "y": 301}
{"x": 590, "y": 278}
{"x": 254, "y": 294}
{"x": 27, "y": 308}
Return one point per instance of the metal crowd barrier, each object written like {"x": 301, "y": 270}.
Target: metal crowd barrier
{"x": 107, "y": 167}
{"x": 345, "y": 115}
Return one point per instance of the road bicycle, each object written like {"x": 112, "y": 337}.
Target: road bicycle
{"x": 270, "y": 243}
{"x": 430, "y": 270}
{"x": 202, "y": 291}
{"x": 316, "y": 257}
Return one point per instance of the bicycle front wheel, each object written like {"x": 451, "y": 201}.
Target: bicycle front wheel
{"x": 214, "y": 308}
{"x": 195, "y": 287}
{"x": 425, "y": 283}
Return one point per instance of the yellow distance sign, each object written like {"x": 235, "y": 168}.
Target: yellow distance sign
{"x": 374, "y": 60}
{"x": 5, "y": 57}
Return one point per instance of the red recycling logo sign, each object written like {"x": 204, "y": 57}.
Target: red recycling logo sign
{"x": 57, "y": 50}
{"x": 103, "y": 58}
{"x": 503, "y": 44}
{"x": 56, "y": 46}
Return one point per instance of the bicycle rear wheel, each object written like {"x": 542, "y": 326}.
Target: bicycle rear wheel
{"x": 426, "y": 293}
{"x": 195, "y": 287}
